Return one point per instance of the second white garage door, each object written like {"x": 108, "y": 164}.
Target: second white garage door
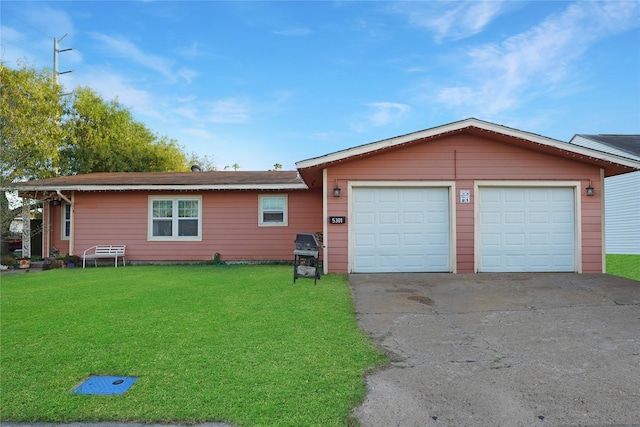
{"x": 526, "y": 229}
{"x": 400, "y": 230}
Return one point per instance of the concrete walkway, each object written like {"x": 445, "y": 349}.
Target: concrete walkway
{"x": 501, "y": 349}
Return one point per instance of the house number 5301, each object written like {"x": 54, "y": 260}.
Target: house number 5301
{"x": 337, "y": 219}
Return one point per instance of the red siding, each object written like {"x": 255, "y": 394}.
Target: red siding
{"x": 229, "y": 226}
{"x": 465, "y": 159}
{"x": 230, "y": 218}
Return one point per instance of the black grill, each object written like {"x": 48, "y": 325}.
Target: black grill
{"x": 306, "y": 257}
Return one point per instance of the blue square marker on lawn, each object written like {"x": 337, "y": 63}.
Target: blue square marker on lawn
{"x": 105, "y": 385}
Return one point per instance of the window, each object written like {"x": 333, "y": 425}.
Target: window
{"x": 175, "y": 218}
{"x": 66, "y": 221}
{"x": 273, "y": 210}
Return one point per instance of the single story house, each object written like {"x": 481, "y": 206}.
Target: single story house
{"x": 622, "y": 206}
{"x": 469, "y": 196}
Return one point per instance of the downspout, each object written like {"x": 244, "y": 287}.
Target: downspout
{"x": 71, "y": 234}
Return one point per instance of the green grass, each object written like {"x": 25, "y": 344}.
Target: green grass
{"x": 624, "y": 266}
{"x": 237, "y": 344}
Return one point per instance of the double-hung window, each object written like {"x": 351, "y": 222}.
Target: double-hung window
{"x": 175, "y": 218}
{"x": 273, "y": 210}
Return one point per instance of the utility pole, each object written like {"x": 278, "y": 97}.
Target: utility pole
{"x": 56, "y": 51}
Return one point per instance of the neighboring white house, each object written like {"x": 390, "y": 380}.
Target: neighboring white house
{"x": 622, "y": 193}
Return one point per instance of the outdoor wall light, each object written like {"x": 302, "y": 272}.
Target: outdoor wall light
{"x": 336, "y": 191}
{"x": 589, "y": 189}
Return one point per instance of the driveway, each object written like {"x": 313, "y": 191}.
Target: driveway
{"x": 525, "y": 349}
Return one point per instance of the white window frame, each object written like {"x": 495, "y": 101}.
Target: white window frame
{"x": 175, "y": 220}
{"x": 65, "y": 219}
{"x": 261, "y": 211}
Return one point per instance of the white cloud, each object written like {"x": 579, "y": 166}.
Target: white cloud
{"x": 293, "y": 32}
{"x": 191, "y": 52}
{"x": 125, "y": 49}
{"x": 50, "y": 21}
{"x": 198, "y": 133}
{"x": 502, "y": 74}
{"x": 188, "y": 74}
{"x": 188, "y": 112}
{"x": 382, "y": 114}
{"x": 112, "y": 86}
{"x": 451, "y": 20}
{"x": 229, "y": 110}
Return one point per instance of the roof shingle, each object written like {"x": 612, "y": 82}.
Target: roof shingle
{"x": 202, "y": 180}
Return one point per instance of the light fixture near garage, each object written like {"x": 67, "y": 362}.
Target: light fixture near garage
{"x": 589, "y": 189}
{"x": 336, "y": 190}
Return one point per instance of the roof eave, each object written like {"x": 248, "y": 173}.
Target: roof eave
{"x": 220, "y": 187}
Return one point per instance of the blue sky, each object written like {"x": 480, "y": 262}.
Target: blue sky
{"x": 266, "y": 82}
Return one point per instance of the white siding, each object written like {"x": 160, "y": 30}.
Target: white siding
{"x": 622, "y": 214}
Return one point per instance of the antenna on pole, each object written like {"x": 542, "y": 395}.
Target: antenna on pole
{"x": 56, "y": 51}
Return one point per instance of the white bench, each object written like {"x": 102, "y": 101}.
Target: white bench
{"x": 104, "y": 252}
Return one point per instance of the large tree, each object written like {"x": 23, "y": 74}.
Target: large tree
{"x": 45, "y": 133}
{"x": 31, "y": 108}
{"x": 103, "y": 137}
{"x": 30, "y": 113}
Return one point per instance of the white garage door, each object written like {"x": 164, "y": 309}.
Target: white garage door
{"x": 526, "y": 229}
{"x": 400, "y": 230}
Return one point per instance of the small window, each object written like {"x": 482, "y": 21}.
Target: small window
{"x": 66, "y": 221}
{"x": 173, "y": 218}
{"x": 273, "y": 210}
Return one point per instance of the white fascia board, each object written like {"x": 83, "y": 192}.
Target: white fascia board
{"x": 279, "y": 187}
{"x": 452, "y": 127}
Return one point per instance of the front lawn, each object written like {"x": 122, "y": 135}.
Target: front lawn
{"x": 624, "y": 265}
{"x": 238, "y": 344}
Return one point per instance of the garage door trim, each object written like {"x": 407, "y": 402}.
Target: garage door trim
{"x": 450, "y": 185}
{"x": 575, "y": 185}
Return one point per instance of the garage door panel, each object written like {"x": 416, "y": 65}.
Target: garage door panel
{"x": 516, "y": 262}
{"x": 539, "y": 239}
{"x": 365, "y": 261}
{"x": 438, "y": 218}
{"x": 526, "y": 229}
{"x": 514, "y": 218}
{"x": 538, "y": 217}
{"x": 413, "y": 239}
{"x": 388, "y": 197}
{"x": 563, "y": 217}
{"x": 490, "y": 218}
{"x": 539, "y": 261}
{"x": 516, "y": 240}
{"x": 562, "y": 239}
{"x": 389, "y": 240}
{"x": 389, "y": 261}
{"x": 438, "y": 239}
{"x": 365, "y": 240}
{"x": 364, "y": 218}
{"x": 413, "y": 261}
{"x": 513, "y": 197}
{"x": 410, "y": 229}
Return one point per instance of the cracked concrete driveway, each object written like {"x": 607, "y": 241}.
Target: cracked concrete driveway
{"x": 539, "y": 349}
